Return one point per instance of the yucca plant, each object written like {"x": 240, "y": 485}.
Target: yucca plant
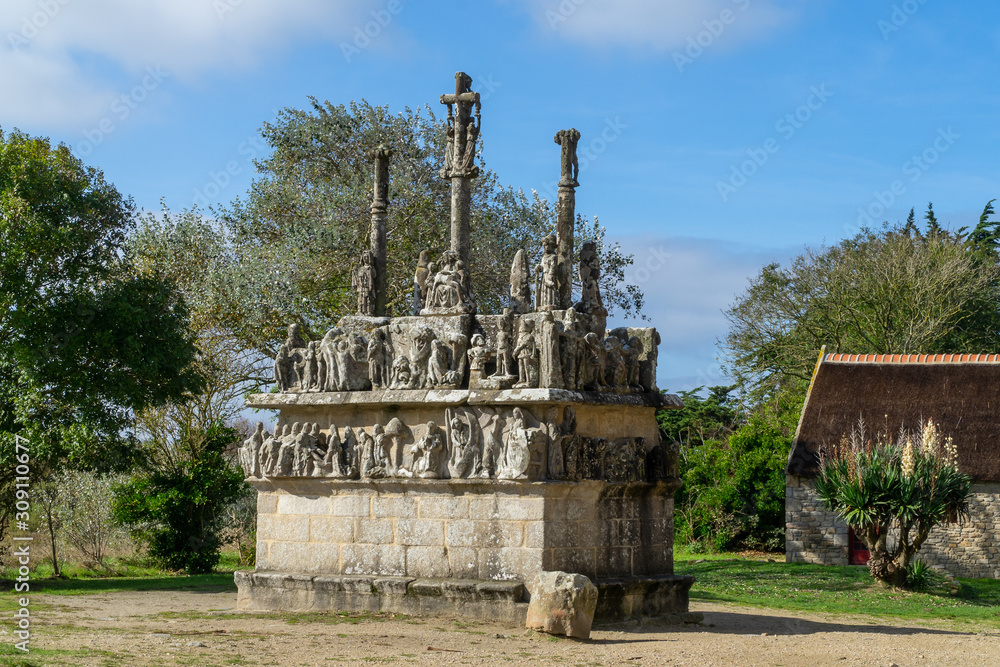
{"x": 893, "y": 493}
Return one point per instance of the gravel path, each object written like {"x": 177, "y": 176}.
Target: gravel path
{"x": 172, "y": 628}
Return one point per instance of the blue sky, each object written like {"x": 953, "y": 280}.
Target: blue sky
{"x": 718, "y": 135}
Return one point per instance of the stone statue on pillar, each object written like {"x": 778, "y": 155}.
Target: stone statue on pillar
{"x": 547, "y": 283}
{"x": 377, "y": 235}
{"x": 363, "y": 281}
{"x": 566, "y": 213}
{"x": 463, "y": 131}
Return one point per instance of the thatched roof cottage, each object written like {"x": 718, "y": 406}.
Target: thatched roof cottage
{"x": 961, "y": 393}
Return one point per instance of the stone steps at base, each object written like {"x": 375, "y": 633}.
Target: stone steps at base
{"x": 664, "y": 597}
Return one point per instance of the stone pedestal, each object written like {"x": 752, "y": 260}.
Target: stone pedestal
{"x": 610, "y": 516}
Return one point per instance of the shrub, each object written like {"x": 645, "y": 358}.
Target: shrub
{"x": 734, "y": 491}
{"x": 893, "y": 493}
{"x": 178, "y": 511}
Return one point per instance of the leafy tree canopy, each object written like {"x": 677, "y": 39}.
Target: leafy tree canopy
{"x": 85, "y": 341}
{"x": 895, "y": 290}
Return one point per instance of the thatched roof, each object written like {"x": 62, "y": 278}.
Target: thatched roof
{"x": 961, "y": 393}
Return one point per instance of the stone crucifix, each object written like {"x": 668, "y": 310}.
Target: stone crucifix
{"x": 377, "y": 235}
{"x": 566, "y": 213}
{"x": 459, "y": 165}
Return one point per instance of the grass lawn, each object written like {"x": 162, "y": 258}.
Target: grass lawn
{"x": 832, "y": 590}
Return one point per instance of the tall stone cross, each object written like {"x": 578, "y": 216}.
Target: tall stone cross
{"x": 566, "y": 213}
{"x": 377, "y": 235}
{"x": 459, "y": 160}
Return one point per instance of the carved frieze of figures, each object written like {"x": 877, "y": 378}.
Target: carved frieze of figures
{"x": 505, "y": 443}
{"x": 363, "y": 281}
{"x": 447, "y": 287}
{"x": 547, "y": 277}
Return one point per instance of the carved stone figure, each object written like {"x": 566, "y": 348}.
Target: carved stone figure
{"x": 615, "y": 372}
{"x": 516, "y": 449}
{"x": 571, "y": 350}
{"x": 294, "y": 340}
{"x": 286, "y": 454}
{"x": 570, "y": 165}
{"x": 363, "y": 281}
{"x": 330, "y": 464}
{"x": 520, "y": 284}
{"x": 375, "y": 455}
{"x": 565, "y": 432}
{"x": 283, "y": 371}
{"x": 479, "y": 356}
{"x": 311, "y": 367}
{"x": 547, "y": 277}
{"x": 251, "y": 451}
{"x": 272, "y": 450}
{"x": 632, "y": 352}
{"x": 427, "y": 453}
{"x": 448, "y": 287}
{"x": 396, "y": 431}
{"x": 590, "y": 297}
{"x": 527, "y": 356}
{"x": 350, "y": 453}
{"x": 490, "y": 426}
{"x": 438, "y": 364}
{"x": 464, "y": 455}
{"x": 550, "y": 373}
{"x": 401, "y": 373}
{"x": 420, "y": 282}
{"x": 366, "y": 450}
{"x": 595, "y": 362}
{"x": 378, "y": 360}
{"x": 505, "y": 350}
{"x": 420, "y": 355}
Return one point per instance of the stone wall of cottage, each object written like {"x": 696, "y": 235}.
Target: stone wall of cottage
{"x": 970, "y": 548}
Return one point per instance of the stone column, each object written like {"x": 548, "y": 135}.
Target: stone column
{"x": 459, "y": 168}
{"x": 566, "y": 213}
{"x": 377, "y": 236}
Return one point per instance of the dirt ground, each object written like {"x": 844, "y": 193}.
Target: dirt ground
{"x": 174, "y": 628}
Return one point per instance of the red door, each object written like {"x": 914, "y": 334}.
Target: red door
{"x": 857, "y": 552}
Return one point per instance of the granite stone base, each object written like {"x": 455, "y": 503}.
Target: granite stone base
{"x": 664, "y": 597}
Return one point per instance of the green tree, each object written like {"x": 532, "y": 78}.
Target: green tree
{"x": 178, "y": 507}
{"x": 85, "y": 342}
{"x": 893, "y": 493}
{"x": 887, "y": 291}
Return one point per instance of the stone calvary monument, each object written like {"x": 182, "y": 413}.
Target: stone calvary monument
{"x": 439, "y": 462}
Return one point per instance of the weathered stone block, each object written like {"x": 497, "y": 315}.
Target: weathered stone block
{"x": 305, "y": 557}
{"x": 352, "y": 506}
{"x": 391, "y": 507}
{"x": 419, "y": 532}
{"x": 289, "y": 504}
{"x": 331, "y": 529}
{"x": 430, "y": 560}
{"x": 562, "y": 604}
{"x": 375, "y": 531}
{"x": 444, "y": 507}
{"x": 294, "y": 528}
{"x": 366, "y": 558}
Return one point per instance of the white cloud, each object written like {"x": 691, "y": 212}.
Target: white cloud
{"x": 660, "y": 25}
{"x": 58, "y": 58}
{"x": 688, "y": 283}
